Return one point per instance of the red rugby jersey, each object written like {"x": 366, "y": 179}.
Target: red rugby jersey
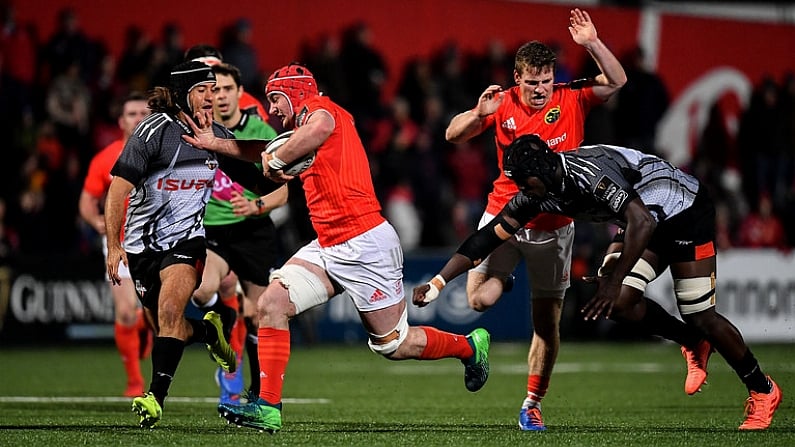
{"x": 561, "y": 123}
{"x": 338, "y": 186}
{"x": 98, "y": 177}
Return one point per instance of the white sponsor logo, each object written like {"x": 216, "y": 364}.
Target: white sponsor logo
{"x": 618, "y": 200}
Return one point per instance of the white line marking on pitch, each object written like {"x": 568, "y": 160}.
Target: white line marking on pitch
{"x": 93, "y": 399}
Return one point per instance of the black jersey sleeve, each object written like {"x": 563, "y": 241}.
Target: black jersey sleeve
{"x": 248, "y": 174}
{"x": 132, "y": 162}
{"x": 519, "y": 210}
{"x": 615, "y": 192}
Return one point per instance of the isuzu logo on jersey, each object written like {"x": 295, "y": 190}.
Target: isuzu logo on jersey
{"x": 175, "y": 184}
{"x": 552, "y": 115}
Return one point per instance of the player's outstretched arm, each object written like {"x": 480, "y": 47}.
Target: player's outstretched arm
{"x": 612, "y": 76}
{"x": 204, "y": 138}
{"x": 468, "y": 124}
{"x": 471, "y": 253}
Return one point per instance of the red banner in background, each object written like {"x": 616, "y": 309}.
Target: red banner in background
{"x": 701, "y": 59}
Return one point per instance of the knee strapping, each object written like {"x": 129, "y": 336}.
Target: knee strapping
{"x": 304, "y": 288}
{"x": 639, "y": 277}
{"x": 694, "y": 294}
{"x": 388, "y": 343}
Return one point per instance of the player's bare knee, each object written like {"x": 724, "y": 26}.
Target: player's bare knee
{"x": 126, "y": 315}
{"x": 476, "y": 304}
{"x": 480, "y": 300}
{"x": 387, "y": 344}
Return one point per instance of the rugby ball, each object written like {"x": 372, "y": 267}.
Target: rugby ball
{"x": 296, "y": 167}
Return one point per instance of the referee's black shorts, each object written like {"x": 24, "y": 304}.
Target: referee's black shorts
{"x": 249, "y": 247}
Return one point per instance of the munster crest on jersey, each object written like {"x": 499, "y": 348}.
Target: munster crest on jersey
{"x": 552, "y": 115}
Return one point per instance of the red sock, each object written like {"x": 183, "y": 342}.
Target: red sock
{"x": 445, "y": 345}
{"x": 238, "y": 339}
{"x": 128, "y": 344}
{"x": 537, "y": 387}
{"x": 140, "y": 320}
{"x": 231, "y": 301}
{"x": 274, "y": 353}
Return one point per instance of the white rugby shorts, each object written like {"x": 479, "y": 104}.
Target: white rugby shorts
{"x": 369, "y": 266}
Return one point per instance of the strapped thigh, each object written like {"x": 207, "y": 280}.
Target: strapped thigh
{"x": 694, "y": 295}
{"x": 304, "y": 288}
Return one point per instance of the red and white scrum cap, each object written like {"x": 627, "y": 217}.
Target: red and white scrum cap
{"x": 295, "y": 82}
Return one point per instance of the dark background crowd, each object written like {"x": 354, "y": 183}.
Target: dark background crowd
{"x": 59, "y": 99}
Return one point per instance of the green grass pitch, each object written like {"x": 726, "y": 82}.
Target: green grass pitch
{"x": 601, "y": 395}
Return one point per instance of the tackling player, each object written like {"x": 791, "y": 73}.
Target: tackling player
{"x": 668, "y": 221}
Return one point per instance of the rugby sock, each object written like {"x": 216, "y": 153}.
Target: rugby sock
{"x": 536, "y": 390}
{"x": 751, "y": 374}
{"x": 251, "y": 352}
{"x": 231, "y": 301}
{"x": 140, "y": 320}
{"x": 128, "y": 344}
{"x": 442, "y": 345}
{"x": 238, "y": 338}
{"x": 273, "y": 353}
{"x": 166, "y": 354}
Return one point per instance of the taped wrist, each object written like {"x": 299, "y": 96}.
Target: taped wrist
{"x": 437, "y": 283}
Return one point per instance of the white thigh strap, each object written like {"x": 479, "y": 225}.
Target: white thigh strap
{"x": 694, "y": 294}
{"x": 305, "y": 289}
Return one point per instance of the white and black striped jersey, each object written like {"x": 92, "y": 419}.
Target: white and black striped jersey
{"x": 172, "y": 184}
{"x": 599, "y": 181}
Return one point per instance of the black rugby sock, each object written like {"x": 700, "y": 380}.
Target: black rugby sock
{"x": 751, "y": 374}
{"x": 166, "y": 354}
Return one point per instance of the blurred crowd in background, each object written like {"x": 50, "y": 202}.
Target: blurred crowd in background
{"x": 59, "y": 100}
